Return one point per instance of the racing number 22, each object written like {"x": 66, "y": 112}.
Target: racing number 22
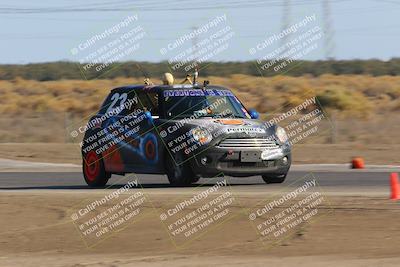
{"x": 115, "y": 98}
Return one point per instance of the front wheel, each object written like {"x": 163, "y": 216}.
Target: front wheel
{"x": 93, "y": 170}
{"x": 179, "y": 172}
{"x": 274, "y": 179}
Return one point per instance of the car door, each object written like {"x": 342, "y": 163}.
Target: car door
{"x": 141, "y": 147}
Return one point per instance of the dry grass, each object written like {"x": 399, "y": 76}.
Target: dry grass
{"x": 365, "y": 107}
{"x": 350, "y": 95}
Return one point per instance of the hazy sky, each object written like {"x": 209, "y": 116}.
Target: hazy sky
{"x": 47, "y": 30}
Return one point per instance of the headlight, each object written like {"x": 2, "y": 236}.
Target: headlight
{"x": 281, "y": 134}
{"x": 201, "y": 135}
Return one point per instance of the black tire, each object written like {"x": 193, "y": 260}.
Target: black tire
{"x": 274, "y": 179}
{"x": 179, "y": 174}
{"x": 93, "y": 170}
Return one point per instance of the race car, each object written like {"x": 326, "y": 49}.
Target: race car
{"x": 186, "y": 131}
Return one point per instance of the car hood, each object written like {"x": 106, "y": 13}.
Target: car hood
{"x": 235, "y": 128}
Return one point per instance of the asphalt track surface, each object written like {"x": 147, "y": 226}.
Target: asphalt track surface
{"x": 351, "y": 181}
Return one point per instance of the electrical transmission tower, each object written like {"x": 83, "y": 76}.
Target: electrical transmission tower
{"x": 329, "y": 42}
{"x": 328, "y": 30}
{"x": 285, "y": 24}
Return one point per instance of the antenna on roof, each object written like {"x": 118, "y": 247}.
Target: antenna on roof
{"x": 195, "y": 75}
{"x": 145, "y": 74}
{"x": 187, "y": 79}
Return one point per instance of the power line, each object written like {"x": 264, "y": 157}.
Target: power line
{"x": 167, "y": 7}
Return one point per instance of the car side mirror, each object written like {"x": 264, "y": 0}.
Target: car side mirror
{"x": 148, "y": 116}
{"x": 254, "y": 114}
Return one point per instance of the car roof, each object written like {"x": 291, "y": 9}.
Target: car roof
{"x": 160, "y": 88}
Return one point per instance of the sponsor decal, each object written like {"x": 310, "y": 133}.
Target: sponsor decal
{"x": 246, "y": 130}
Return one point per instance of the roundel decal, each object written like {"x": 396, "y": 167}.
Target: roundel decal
{"x": 150, "y": 149}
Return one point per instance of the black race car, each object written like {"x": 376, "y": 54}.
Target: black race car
{"x": 183, "y": 131}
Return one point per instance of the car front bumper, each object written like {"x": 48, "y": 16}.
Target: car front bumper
{"x": 228, "y": 162}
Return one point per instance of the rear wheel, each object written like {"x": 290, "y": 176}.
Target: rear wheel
{"x": 274, "y": 179}
{"x": 179, "y": 173}
{"x": 94, "y": 171}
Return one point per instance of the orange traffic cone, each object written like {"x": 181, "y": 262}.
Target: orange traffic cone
{"x": 395, "y": 186}
{"x": 357, "y": 163}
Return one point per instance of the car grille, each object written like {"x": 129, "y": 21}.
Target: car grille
{"x": 248, "y": 143}
{"x": 244, "y": 165}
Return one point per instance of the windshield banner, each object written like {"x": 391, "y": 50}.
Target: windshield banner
{"x": 196, "y": 92}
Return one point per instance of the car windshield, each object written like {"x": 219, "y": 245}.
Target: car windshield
{"x": 196, "y": 103}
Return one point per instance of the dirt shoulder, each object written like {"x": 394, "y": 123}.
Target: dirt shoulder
{"x": 350, "y": 231}
{"x": 302, "y": 154}
{"x": 41, "y": 152}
